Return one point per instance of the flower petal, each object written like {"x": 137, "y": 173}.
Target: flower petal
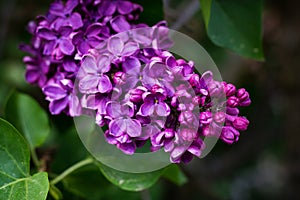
{"x": 46, "y": 34}
{"x": 115, "y": 45}
{"x": 54, "y": 92}
{"x": 117, "y": 127}
{"x": 131, "y": 65}
{"x": 57, "y": 106}
{"x": 147, "y": 109}
{"x": 89, "y": 84}
{"x": 113, "y": 109}
{"x": 130, "y": 48}
{"x": 103, "y": 63}
{"x": 107, "y": 8}
{"x": 94, "y": 29}
{"x": 89, "y": 65}
{"x": 74, "y": 106}
{"x": 133, "y": 127}
{"x": 66, "y": 46}
{"x": 75, "y": 21}
{"x": 127, "y": 148}
{"x": 125, "y": 7}
{"x": 119, "y": 24}
{"x": 104, "y": 85}
{"x": 162, "y": 109}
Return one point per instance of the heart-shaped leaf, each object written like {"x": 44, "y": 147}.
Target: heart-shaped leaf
{"x": 28, "y": 117}
{"x": 15, "y": 180}
{"x": 236, "y": 25}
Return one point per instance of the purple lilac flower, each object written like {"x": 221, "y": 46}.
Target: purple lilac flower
{"x": 129, "y": 81}
{"x": 92, "y": 76}
{"x": 61, "y": 97}
{"x": 154, "y": 105}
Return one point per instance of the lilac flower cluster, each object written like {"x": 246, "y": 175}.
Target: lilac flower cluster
{"x": 146, "y": 94}
{"x": 90, "y": 58}
{"x": 63, "y": 36}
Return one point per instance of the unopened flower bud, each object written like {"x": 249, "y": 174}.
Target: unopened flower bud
{"x": 232, "y": 101}
{"x": 240, "y": 123}
{"x": 242, "y": 94}
{"x": 194, "y": 80}
{"x": 219, "y": 117}
{"x": 205, "y": 117}
{"x": 136, "y": 95}
{"x": 119, "y": 78}
{"x": 230, "y": 89}
{"x": 229, "y": 135}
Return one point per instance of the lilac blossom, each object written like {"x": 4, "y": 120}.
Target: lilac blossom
{"x": 154, "y": 105}
{"x": 61, "y": 97}
{"x": 129, "y": 81}
{"x": 86, "y": 40}
{"x": 65, "y": 14}
{"x": 59, "y": 43}
{"x": 93, "y": 78}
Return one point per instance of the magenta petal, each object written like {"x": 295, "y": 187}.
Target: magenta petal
{"x": 103, "y": 63}
{"x": 94, "y": 29}
{"x": 127, "y": 110}
{"x": 128, "y": 148}
{"x": 32, "y": 76}
{"x": 131, "y": 65}
{"x": 49, "y": 47}
{"x": 119, "y": 24}
{"x": 65, "y": 31}
{"x": 107, "y": 8}
{"x": 162, "y": 109}
{"x": 125, "y": 7}
{"x": 46, "y": 34}
{"x": 104, "y": 84}
{"x": 147, "y": 109}
{"x": 130, "y": 48}
{"x": 54, "y": 92}
{"x": 115, "y": 45}
{"x": 89, "y": 83}
{"x": 74, "y": 106}
{"x": 177, "y": 152}
{"x": 117, "y": 127}
{"x": 66, "y": 46}
{"x": 113, "y": 109}
{"x": 78, "y": 38}
{"x": 57, "y": 106}
{"x": 70, "y": 66}
{"x": 133, "y": 127}
{"x": 194, "y": 149}
{"x": 76, "y": 21}
{"x": 83, "y": 47}
{"x": 56, "y": 8}
{"x": 89, "y": 65}
{"x": 70, "y": 5}
{"x": 94, "y": 41}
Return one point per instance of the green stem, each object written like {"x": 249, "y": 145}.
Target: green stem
{"x": 34, "y": 158}
{"x": 71, "y": 169}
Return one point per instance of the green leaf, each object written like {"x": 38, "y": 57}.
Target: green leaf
{"x": 28, "y": 117}
{"x": 15, "y": 180}
{"x": 32, "y": 187}
{"x": 89, "y": 183}
{"x": 236, "y": 25}
{"x": 174, "y": 174}
{"x": 130, "y": 181}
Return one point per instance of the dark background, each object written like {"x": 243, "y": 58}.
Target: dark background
{"x": 265, "y": 163}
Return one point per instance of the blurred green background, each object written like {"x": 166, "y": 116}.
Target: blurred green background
{"x": 264, "y": 164}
